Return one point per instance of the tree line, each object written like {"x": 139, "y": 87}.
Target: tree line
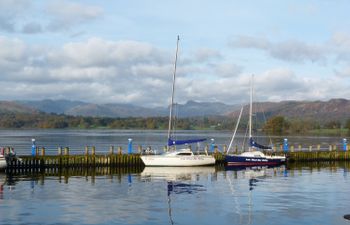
{"x": 274, "y": 125}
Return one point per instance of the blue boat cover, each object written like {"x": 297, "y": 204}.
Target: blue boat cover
{"x": 183, "y": 142}
{"x": 254, "y": 144}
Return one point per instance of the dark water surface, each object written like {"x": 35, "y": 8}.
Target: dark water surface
{"x": 302, "y": 194}
{"x": 292, "y": 194}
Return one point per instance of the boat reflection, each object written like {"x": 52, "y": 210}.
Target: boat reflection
{"x": 256, "y": 176}
{"x": 3, "y": 179}
{"x": 179, "y": 180}
{"x": 176, "y": 173}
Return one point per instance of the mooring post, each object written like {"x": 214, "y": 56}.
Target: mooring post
{"x": 120, "y": 151}
{"x": 66, "y": 150}
{"x": 285, "y": 145}
{"x": 225, "y": 149}
{"x": 216, "y": 149}
{"x": 33, "y": 147}
{"x": 139, "y": 149}
{"x": 111, "y": 149}
{"x": 345, "y": 144}
{"x": 43, "y": 151}
{"x": 330, "y": 148}
{"x": 212, "y": 145}
{"x": 292, "y": 148}
{"x": 86, "y": 150}
{"x": 59, "y": 151}
{"x": 299, "y": 148}
{"x": 318, "y": 147}
{"x": 310, "y": 148}
{"x": 129, "y": 146}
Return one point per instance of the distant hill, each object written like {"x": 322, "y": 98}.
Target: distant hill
{"x": 13, "y": 107}
{"x": 321, "y": 111}
{"x": 77, "y": 108}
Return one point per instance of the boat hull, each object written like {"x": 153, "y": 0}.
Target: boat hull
{"x": 237, "y": 160}
{"x": 3, "y": 163}
{"x": 193, "y": 160}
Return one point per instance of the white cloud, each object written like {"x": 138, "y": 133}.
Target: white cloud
{"x": 291, "y": 50}
{"x": 64, "y": 14}
{"x": 104, "y": 71}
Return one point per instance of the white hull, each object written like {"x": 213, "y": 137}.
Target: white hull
{"x": 3, "y": 163}
{"x": 178, "y": 160}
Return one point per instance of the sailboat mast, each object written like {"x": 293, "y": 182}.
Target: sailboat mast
{"x": 251, "y": 111}
{"x": 173, "y": 90}
{"x": 251, "y": 107}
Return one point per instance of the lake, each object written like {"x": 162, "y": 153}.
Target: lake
{"x": 315, "y": 193}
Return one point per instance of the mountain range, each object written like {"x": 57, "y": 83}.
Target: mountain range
{"x": 322, "y": 111}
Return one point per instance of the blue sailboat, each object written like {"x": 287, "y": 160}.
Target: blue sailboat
{"x": 254, "y": 156}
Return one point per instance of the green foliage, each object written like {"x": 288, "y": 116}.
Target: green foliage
{"x": 276, "y": 125}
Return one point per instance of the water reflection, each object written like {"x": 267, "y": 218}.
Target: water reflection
{"x": 198, "y": 195}
{"x": 179, "y": 181}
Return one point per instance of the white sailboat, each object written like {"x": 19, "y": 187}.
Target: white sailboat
{"x": 173, "y": 156}
{"x": 3, "y": 162}
{"x": 252, "y": 157}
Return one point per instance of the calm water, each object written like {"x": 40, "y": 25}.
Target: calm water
{"x": 296, "y": 194}
{"x": 209, "y": 195}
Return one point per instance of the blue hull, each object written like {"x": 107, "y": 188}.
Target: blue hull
{"x": 237, "y": 160}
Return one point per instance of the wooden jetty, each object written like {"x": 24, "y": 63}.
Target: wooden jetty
{"x": 41, "y": 162}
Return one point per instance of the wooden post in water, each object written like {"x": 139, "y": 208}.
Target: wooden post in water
{"x": 43, "y": 151}
{"x": 216, "y": 150}
{"x": 292, "y": 148}
{"x": 66, "y": 150}
{"x": 299, "y": 148}
{"x": 111, "y": 150}
{"x": 93, "y": 150}
{"x": 139, "y": 149}
{"x": 59, "y": 151}
{"x": 36, "y": 151}
{"x": 225, "y": 149}
{"x": 310, "y": 148}
{"x": 86, "y": 150}
{"x": 318, "y": 147}
{"x": 330, "y": 147}
{"x": 120, "y": 151}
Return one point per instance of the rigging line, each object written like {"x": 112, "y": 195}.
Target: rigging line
{"x": 234, "y": 133}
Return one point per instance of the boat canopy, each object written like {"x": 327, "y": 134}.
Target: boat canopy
{"x": 255, "y": 144}
{"x": 183, "y": 142}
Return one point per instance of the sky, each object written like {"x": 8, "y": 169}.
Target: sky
{"x": 123, "y": 51}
